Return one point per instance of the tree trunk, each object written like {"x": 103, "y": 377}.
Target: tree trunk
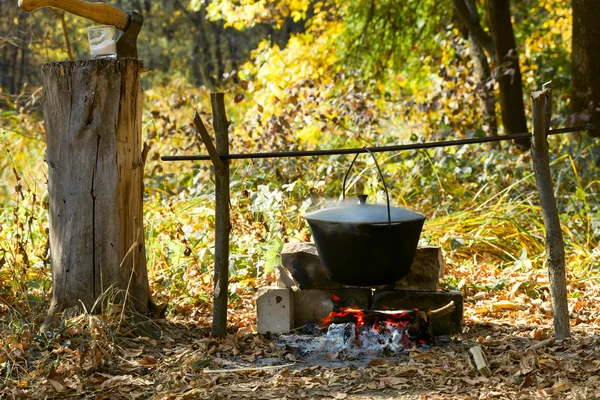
{"x": 92, "y": 112}
{"x": 480, "y": 65}
{"x": 508, "y": 72}
{"x": 585, "y": 96}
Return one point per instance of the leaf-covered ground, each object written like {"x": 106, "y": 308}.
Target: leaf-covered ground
{"x": 109, "y": 357}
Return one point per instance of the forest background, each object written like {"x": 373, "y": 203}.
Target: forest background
{"x": 304, "y": 74}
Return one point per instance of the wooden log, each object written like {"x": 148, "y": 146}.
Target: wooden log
{"x": 93, "y": 117}
{"x": 222, "y": 222}
{"x": 555, "y": 250}
{"x": 481, "y": 363}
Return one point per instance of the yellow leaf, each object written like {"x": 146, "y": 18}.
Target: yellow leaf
{"x": 506, "y": 305}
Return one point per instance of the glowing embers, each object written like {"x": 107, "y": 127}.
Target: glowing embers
{"x": 391, "y": 330}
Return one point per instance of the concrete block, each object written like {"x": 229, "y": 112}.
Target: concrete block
{"x": 303, "y": 262}
{"x": 312, "y": 305}
{"x": 425, "y": 272}
{"x": 408, "y": 299}
{"x": 275, "y": 310}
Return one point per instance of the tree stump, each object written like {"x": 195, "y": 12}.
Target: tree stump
{"x": 93, "y": 117}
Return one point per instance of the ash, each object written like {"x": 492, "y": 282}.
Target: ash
{"x": 346, "y": 343}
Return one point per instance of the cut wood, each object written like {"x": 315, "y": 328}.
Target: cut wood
{"x": 481, "y": 362}
{"x": 93, "y": 117}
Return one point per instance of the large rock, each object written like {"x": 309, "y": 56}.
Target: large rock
{"x": 304, "y": 265}
{"x": 303, "y": 262}
{"x": 425, "y": 272}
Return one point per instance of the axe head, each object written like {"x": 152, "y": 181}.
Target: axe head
{"x": 127, "y": 39}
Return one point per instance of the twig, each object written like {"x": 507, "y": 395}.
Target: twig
{"x": 541, "y": 344}
{"x": 63, "y": 24}
{"x": 440, "y": 312}
{"x": 247, "y": 369}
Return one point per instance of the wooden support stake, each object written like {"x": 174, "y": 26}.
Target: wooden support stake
{"x": 223, "y": 224}
{"x": 555, "y": 250}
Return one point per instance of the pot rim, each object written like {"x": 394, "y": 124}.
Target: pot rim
{"x": 415, "y": 216}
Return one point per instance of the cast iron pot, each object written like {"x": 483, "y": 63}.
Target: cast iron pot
{"x": 366, "y": 244}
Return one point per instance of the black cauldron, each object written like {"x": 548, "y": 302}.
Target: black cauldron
{"x": 366, "y": 244}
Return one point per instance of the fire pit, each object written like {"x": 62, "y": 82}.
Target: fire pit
{"x": 393, "y": 330}
{"x": 411, "y": 308}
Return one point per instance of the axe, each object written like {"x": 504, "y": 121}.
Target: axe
{"x": 128, "y": 22}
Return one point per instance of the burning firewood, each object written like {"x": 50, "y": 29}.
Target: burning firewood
{"x": 415, "y": 324}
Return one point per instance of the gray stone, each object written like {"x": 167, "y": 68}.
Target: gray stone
{"x": 304, "y": 265}
{"x": 425, "y": 272}
{"x": 312, "y": 305}
{"x": 284, "y": 279}
{"x": 303, "y": 262}
{"x": 275, "y": 310}
{"x": 408, "y": 299}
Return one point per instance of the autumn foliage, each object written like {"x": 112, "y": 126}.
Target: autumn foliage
{"x": 301, "y": 74}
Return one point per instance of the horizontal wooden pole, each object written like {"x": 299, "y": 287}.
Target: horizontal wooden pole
{"x": 358, "y": 150}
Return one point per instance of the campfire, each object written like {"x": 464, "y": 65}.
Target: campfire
{"x": 392, "y": 330}
{"x": 316, "y": 315}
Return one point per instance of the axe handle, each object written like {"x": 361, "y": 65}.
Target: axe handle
{"x": 98, "y": 12}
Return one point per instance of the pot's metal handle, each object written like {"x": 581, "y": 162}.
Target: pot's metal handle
{"x": 387, "y": 195}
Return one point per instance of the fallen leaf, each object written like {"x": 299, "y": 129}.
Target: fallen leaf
{"x": 394, "y": 380}
{"x": 589, "y": 366}
{"x": 59, "y": 387}
{"x": 147, "y": 362}
{"x": 480, "y": 296}
{"x": 379, "y": 362}
{"x": 116, "y": 381}
{"x": 475, "y": 381}
{"x": 538, "y": 334}
{"x": 56, "y": 380}
{"x": 506, "y": 305}
{"x": 132, "y": 352}
{"x": 560, "y": 387}
{"x": 515, "y": 288}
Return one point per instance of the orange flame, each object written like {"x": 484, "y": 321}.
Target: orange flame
{"x": 356, "y": 315}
